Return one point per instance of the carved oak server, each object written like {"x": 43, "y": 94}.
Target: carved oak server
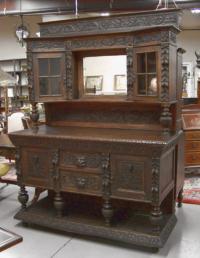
{"x": 116, "y": 155}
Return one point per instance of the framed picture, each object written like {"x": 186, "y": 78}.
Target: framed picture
{"x": 120, "y": 82}
{"x": 93, "y": 83}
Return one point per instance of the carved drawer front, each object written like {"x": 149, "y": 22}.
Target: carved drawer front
{"x": 81, "y": 182}
{"x": 192, "y": 145}
{"x": 36, "y": 166}
{"x": 195, "y": 135}
{"x": 131, "y": 177}
{"x": 192, "y": 158}
{"x": 88, "y": 161}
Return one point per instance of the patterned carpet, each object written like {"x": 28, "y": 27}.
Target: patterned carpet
{"x": 191, "y": 193}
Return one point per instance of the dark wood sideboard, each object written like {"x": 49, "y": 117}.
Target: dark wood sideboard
{"x": 191, "y": 127}
{"x": 112, "y": 162}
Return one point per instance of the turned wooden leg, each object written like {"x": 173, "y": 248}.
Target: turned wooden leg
{"x": 23, "y": 196}
{"x": 156, "y": 218}
{"x": 58, "y": 204}
{"x": 180, "y": 198}
{"x": 107, "y": 212}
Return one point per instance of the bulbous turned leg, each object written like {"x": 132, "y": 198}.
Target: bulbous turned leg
{"x": 107, "y": 212}
{"x": 59, "y": 204}
{"x": 23, "y": 196}
{"x": 156, "y": 219}
{"x": 180, "y": 198}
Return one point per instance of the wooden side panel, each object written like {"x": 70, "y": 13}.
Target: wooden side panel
{"x": 131, "y": 177}
{"x": 36, "y": 167}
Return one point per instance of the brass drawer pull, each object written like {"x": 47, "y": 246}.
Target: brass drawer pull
{"x": 81, "y": 162}
{"x": 81, "y": 182}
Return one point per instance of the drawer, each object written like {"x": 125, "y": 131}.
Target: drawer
{"x": 194, "y": 135}
{"x": 87, "y": 161}
{"x": 192, "y": 158}
{"x": 79, "y": 182}
{"x": 192, "y": 145}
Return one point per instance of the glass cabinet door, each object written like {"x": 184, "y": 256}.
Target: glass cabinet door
{"x": 49, "y": 76}
{"x": 146, "y": 71}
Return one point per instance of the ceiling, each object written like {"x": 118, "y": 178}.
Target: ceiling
{"x": 11, "y": 7}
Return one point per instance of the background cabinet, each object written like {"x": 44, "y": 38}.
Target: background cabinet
{"x": 18, "y": 94}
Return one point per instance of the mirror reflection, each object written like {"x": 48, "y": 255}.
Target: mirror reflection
{"x": 105, "y": 75}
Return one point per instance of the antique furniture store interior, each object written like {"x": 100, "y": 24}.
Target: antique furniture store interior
{"x": 99, "y": 128}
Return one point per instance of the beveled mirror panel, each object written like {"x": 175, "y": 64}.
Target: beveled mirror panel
{"x": 105, "y": 75}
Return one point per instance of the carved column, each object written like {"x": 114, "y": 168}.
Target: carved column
{"x": 34, "y": 115}
{"x": 22, "y": 195}
{"x": 107, "y": 209}
{"x": 130, "y": 73}
{"x": 58, "y": 199}
{"x": 156, "y": 213}
{"x": 69, "y": 73}
{"x": 166, "y": 118}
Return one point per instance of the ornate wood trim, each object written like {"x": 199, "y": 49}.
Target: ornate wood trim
{"x": 129, "y": 22}
{"x": 107, "y": 209}
{"x": 130, "y": 73}
{"x": 68, "y": 80}
{"x": 164, "y": 96}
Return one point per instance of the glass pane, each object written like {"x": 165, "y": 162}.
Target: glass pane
{"x": 141, "y": 84}
{"x": 55, "y": 85}
{"x": 152, "y": 85}
{"x": 43, "y": 86}
{"x": 141, "y": 63}
{"x": 43, "y": 66}
{"x": 105, "y": 75}
{"x": 151, "y": 62}
{"x": 54, "y": 66}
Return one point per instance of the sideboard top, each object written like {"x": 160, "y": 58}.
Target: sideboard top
{"x": 113, "y": 23}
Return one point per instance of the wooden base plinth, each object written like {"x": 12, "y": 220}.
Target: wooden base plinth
{"x": 136, "y": 229}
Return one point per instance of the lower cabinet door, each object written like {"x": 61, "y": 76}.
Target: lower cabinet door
{"x": 131, "y": 177}
{"x": 36, "y": 164}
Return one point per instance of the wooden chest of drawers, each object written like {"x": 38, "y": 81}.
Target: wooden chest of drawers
{"x": 191, "y": 126}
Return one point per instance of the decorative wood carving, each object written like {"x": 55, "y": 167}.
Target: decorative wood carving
{"x": 166, "y": 118}
{"x": 130, "y": 73}
{"x": 69, "y": 75}
{"x": 34, "y": 115}
{"x": 164, "y": 72}
{"x": 107, "y": 209}
{"x": 128, "y": 22}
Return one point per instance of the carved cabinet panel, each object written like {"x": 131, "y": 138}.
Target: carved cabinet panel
{"x": 80, "y": 160}
{"x": 36, "y": 167}
{"x": 80, "y": 182}
{"x": 131, "y": 177}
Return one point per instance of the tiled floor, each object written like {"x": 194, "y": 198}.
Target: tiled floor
{"x": 184, "y": 242}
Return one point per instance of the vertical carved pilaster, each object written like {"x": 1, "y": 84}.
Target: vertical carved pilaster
{"x": 34, "y": 115}
{"x": 22, "y": 195}
{"x": 107, "y": 209}
{"x": 156, "y": 213}
{"x": 69, "y": 74}
{"x": 166, "y": 118}
{"x": 130, "y": 73}
{"x": 30, "y": 73}
{"x": 164, "y": 72}
{"x": 58, "y": 200}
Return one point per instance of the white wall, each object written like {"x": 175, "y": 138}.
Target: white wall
{"x": 9, "y": 47}
{"x": 190, "y": 41}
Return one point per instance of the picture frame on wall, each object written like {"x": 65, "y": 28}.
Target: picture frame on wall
{"x": 120, "y": 82}
{"x": 93, "y": 83}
